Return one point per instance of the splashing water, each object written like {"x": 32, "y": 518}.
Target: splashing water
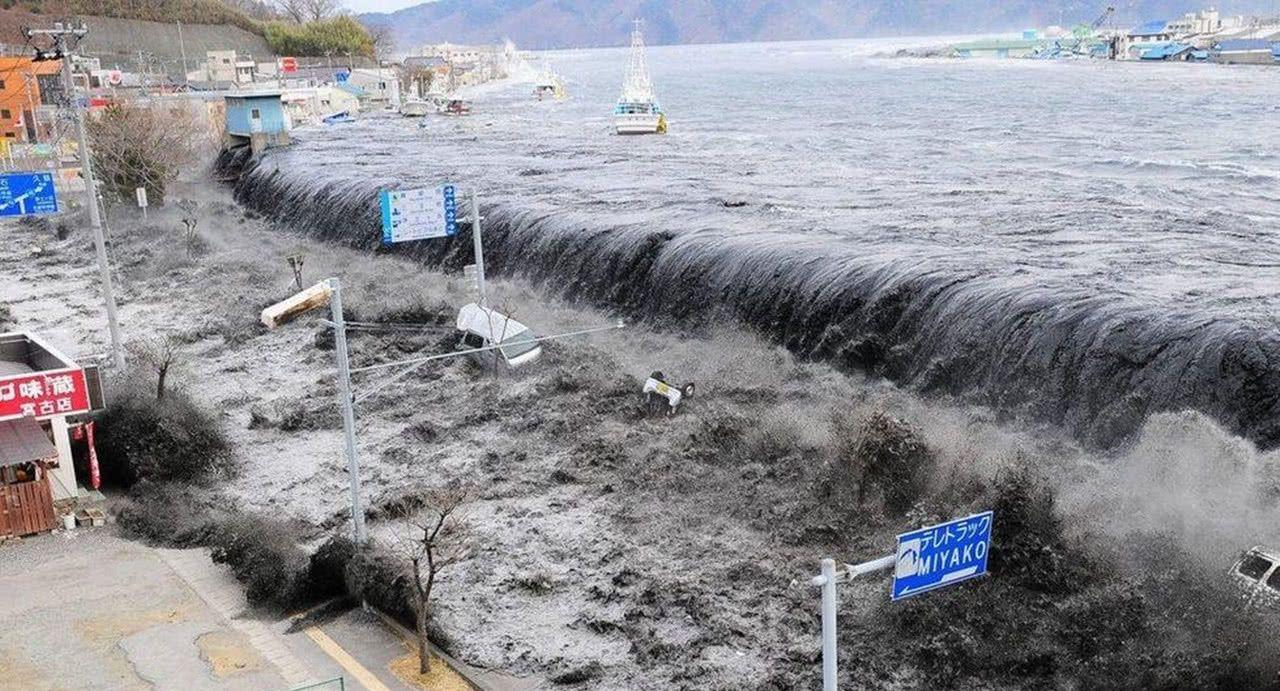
{"x": 1085, "y": 243}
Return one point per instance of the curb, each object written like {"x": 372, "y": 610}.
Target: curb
{"x": 470, "y": 674}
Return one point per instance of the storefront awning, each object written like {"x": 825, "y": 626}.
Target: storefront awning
{"x": 22, "y": 441}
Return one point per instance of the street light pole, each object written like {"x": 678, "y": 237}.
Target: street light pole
{"x": 60, "y": 33}
{"x": 479, "y": 247}
{"x": 347, "y": 404}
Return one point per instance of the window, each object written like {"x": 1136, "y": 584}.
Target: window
{"x": 519, "y": 344}
{"x": 1, "y": 85}
{"x": 1274, "y": 581}
{"x": 10, "y": 135}
{"x": 472, "y": 341}
{"x": 381, "y": 85}
{"x": 5, "y": 114}
{"x": 255, "y": 114}
{"x": 1254, "y": 566}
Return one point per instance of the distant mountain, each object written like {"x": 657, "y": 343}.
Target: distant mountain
{"x": 571, "y": 23}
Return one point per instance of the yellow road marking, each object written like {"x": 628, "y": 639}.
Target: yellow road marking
{"x": 342, "y": 657}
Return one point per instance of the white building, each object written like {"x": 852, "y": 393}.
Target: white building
{"x": 227, "y": 66}
{"x": 380, "y": 83}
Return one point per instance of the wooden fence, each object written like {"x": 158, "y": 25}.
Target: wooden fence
{"x": 26, "y": 508}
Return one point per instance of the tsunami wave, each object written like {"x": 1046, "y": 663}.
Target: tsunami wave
{"x": 1096, "y": 364}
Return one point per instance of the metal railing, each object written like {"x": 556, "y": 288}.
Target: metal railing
{"x": 334, "y": 684}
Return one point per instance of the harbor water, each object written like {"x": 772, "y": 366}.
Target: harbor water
{"x": 1079, "y": 242}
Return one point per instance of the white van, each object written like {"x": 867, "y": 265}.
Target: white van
{"x": 480, "y": 327}
{"x": 1258, "y": 573}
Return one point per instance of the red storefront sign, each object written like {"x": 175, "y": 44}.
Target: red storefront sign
{"x": 288, "y": 65}
{"x": 44, "y": 394}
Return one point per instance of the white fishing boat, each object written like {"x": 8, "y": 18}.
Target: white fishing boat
{"x": 638, "y": 111}
{"x": 549, "y": 85}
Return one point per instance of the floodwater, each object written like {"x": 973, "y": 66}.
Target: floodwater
{"x": 1080, "y": 242}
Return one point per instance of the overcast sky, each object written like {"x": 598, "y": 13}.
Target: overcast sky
{"x": 359, "y": 6}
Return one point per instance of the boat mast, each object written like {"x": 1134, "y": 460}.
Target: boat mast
{"x": 637, "y": 88}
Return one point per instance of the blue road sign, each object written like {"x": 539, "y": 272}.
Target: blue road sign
{"x": 942, "y": 555}
{"x": 25, "y": 194}
{"x": 419, "y": 214}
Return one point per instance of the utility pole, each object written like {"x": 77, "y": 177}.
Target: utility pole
{"x": 479, "y": 246}
{"x": 60, "y": 34}
{"x": 182, "y": 48}
{"x": 346, "y": 399}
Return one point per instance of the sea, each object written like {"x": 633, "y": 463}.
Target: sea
{"x": 1081, "y": 242}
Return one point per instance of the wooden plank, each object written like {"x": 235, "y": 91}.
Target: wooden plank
{"x": 6, "y": 529}
{"x": 28, "y": 508}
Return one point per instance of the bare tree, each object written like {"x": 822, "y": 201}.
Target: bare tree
{"x": 437, "y": 538}
{"x": 382, "y": 40}
{"x": 190, "y": 219}
{"x": 323, "y": 9}
{"x": 158, "y": 354}
{"x": 295, "y": 10}
{"x": 142, "y": 145}
{"x": 302, "y": 11}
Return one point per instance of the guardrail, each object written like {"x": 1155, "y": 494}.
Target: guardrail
{"x": 334, "y": 684}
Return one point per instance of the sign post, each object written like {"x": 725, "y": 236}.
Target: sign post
{"x": 926, "y": 559}
{"x": 421, "y": 214}
{"x": 141, "y": 193}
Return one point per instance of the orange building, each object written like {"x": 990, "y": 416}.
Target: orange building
{"x": 21, "y": 95}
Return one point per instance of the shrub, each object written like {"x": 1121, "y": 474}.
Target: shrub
{"x": 265, "y": 557}
{"x": 339, "y": 36}
{"x": 326, "y": 571}
{"x": 169, "y": 514}
{"x": 173, "y": 439}
{"x": 381, "y": 578}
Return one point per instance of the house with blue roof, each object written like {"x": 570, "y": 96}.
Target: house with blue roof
{"x": 1169, "y": 51}
{"x": 257, "y": 119}
{"x": 1145, "y": 35}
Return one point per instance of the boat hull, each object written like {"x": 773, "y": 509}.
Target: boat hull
{"x": 415, "y": 109}
{"x": 638, "y": 123}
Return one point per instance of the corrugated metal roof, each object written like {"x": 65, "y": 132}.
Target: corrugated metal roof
{"x": 997, "y": 44}
{"x": 1243, "y": 44}
{"x": 1151, "y": 28}
{"x": 22, "y": 441}
{"x": 1164, "y": 51}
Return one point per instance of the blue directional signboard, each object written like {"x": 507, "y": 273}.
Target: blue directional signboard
{"x": 419, "y": 214}
{"x": 942, "y": 555}
{"x": 25, "y": 194}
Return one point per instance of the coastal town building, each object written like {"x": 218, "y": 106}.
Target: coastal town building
{"x": 25, "y": 86}
{"x": 44, "y": 398}
{"x": 257, "y": 119}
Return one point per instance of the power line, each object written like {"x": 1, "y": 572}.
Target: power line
{"x": 66, "y": 38}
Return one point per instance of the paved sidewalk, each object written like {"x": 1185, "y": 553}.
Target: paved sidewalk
{"x": 88, "y": 610}
{"x": 219, "y": 588}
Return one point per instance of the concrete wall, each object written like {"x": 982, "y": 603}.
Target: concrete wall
{"x": 116, "y": 42}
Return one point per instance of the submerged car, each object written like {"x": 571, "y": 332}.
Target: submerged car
{"x": 482, "y": 327}
{"x": 1258, "y": 573}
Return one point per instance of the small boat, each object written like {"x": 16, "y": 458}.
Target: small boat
{"x": 455, "y": 106}
{"x": 415, "y": 108}
{"x": 549, "y": 85}
{"x": 637, "y": 111}
{"x": 339, "y": 118}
